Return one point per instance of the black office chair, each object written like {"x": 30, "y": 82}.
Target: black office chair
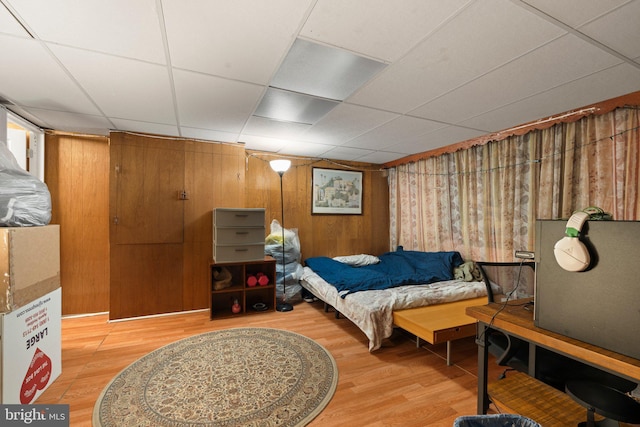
{"x": 505, "y": 280}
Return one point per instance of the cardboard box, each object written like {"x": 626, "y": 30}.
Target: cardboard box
{"x": 29, "y": 264}
{"x": 31, "y": 349}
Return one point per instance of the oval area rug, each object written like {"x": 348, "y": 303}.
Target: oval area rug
{"x": 232, "y": 377}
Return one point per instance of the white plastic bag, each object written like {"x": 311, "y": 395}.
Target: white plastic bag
{"x": 290, "y": 257}
{"x": 24, "y": 199}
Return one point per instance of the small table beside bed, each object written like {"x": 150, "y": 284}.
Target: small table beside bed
{"x": 424, "y": 293}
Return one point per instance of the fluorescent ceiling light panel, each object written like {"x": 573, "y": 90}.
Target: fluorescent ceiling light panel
{"x": 324, "y": 71}
{"x": 293, "y": 107}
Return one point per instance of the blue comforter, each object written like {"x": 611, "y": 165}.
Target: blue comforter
{"x": 394, "y": 269}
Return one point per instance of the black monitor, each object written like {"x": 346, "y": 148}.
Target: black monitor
{"x": 600, "y": 305}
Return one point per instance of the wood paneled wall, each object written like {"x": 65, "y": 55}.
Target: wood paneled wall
{"x": 216, "y": 175}
{"x": 77, "y": 174}
{"x": 328, "y": 235}
{"x": 168, "y": 274}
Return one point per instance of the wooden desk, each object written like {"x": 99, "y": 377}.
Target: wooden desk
{"x": 439, "y": 323}
{"x": 516, "y": 320}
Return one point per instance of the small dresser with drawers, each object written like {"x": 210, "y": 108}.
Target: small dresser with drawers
{"x": 238, "y": 234}
{"x": 242, "y": 278}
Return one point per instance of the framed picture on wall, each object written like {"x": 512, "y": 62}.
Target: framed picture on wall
{"x": 336, "y": 192}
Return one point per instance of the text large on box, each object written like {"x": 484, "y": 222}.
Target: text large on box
{"x": 31, "y": 349}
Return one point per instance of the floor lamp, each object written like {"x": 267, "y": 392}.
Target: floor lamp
{"x": 281, "y": 166}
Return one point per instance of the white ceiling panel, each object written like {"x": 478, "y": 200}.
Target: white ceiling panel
{"x": 307, "y": 149}
{"x": 239, "y": 39}
{"x": 23, "y": 78}
{"x": 619, "y": 30}
{"x": 214, "y": 103}
{"x": 73, "y": 122}
{"x": 392, "y": 133}
{"x": 262, "y": 143}
{"x": 574, "y": 12}
{"x": 119, "y": 27}
{"x": 377, "y": 28}
{"x": 203, "y": 69}
{"x": 208, "y": 135}
{"x": 8, "y": 25}
{"x": 613, "y": 82}
{"x": 439, "y": 138}
{"x": 274, "y": 128}
{"x": 145, "y": 127}
{"x": 379, "y": 157}
{"x": 462, "y": 50}
{"x": 346, "y": 153}
{"x": 121, "y": 87}
{"x": 346, "y": 122}
{"x": 508, "y": 84}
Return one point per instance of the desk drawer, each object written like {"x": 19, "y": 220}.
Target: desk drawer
{"x": 226, "y": 217}
{"x": 238, "y": 236}
{"x": 235, "y": 253}
{"x": 454, "y": 333}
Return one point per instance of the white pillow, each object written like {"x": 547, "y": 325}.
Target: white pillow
{"x": 358, "y": 260}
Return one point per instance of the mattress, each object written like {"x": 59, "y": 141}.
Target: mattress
{"x": 372, "y": 311}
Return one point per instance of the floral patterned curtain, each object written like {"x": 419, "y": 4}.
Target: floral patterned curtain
{"x": 484, "y": 201}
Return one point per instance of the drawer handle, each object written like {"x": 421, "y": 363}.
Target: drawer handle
{"x": 242, "y": 215}
{"x": 242, "y": 232}
{"x": 242, "y": 250}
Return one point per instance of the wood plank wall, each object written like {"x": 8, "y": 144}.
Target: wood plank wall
{"x": 77, "y": 174}
{"x": 328, "y": 235}
{"x": 216, "y": 175}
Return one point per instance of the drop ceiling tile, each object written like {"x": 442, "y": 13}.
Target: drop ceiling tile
{"x": 346, "y": 122}
{"x": 305, "y": 149}
{"x": 260, "y": 143}
{"x": 323, "y": 71}
{"x": 73, "y": 122}
{"x": 619, "y": 30}
{"x": 119, "y": 27}
{"x": 575, "y": 12}
{"x": 380, "y": 157}
{"x": 145, "y": 127}
{"x": 440, "y": 138}
{"x": 399, "y": 130}
{"x": 214, "y": 103}
{"x": 472, "y": 44}
{"x": 606, "y": 84}
{"x": 208, "y": 135}
{"x": 274, "y": 128}
{"x": 346, "y": 153}
{"x": 377, "y": 28}
{"x": 9, "y": 25}
{"x": 123, "y": 88}
{"x": 25, "y": 83}
{"x": 242, "y": 39}
{"x": 554, "y": 64}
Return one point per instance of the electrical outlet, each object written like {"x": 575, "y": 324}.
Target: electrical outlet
{"x": 525, "y": 254}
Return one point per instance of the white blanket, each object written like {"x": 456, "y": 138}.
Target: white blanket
{"x": 372, "y": 311}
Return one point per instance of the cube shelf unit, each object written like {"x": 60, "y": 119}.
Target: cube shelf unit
{"x": 222, "y": 300}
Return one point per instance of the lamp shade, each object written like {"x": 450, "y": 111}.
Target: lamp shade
{"x": 280, "y": 166}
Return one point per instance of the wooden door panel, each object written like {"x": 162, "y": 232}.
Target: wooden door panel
{"x": 148, "y": 208}
{"x": 145, "y": 279}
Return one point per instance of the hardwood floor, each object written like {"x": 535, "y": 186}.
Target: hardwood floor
{"x": 396, "y": 385}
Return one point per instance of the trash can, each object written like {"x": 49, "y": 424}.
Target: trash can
{"x": 498, "y": 420}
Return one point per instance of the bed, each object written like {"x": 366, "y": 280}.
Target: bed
{"x": 418, "y": 279}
